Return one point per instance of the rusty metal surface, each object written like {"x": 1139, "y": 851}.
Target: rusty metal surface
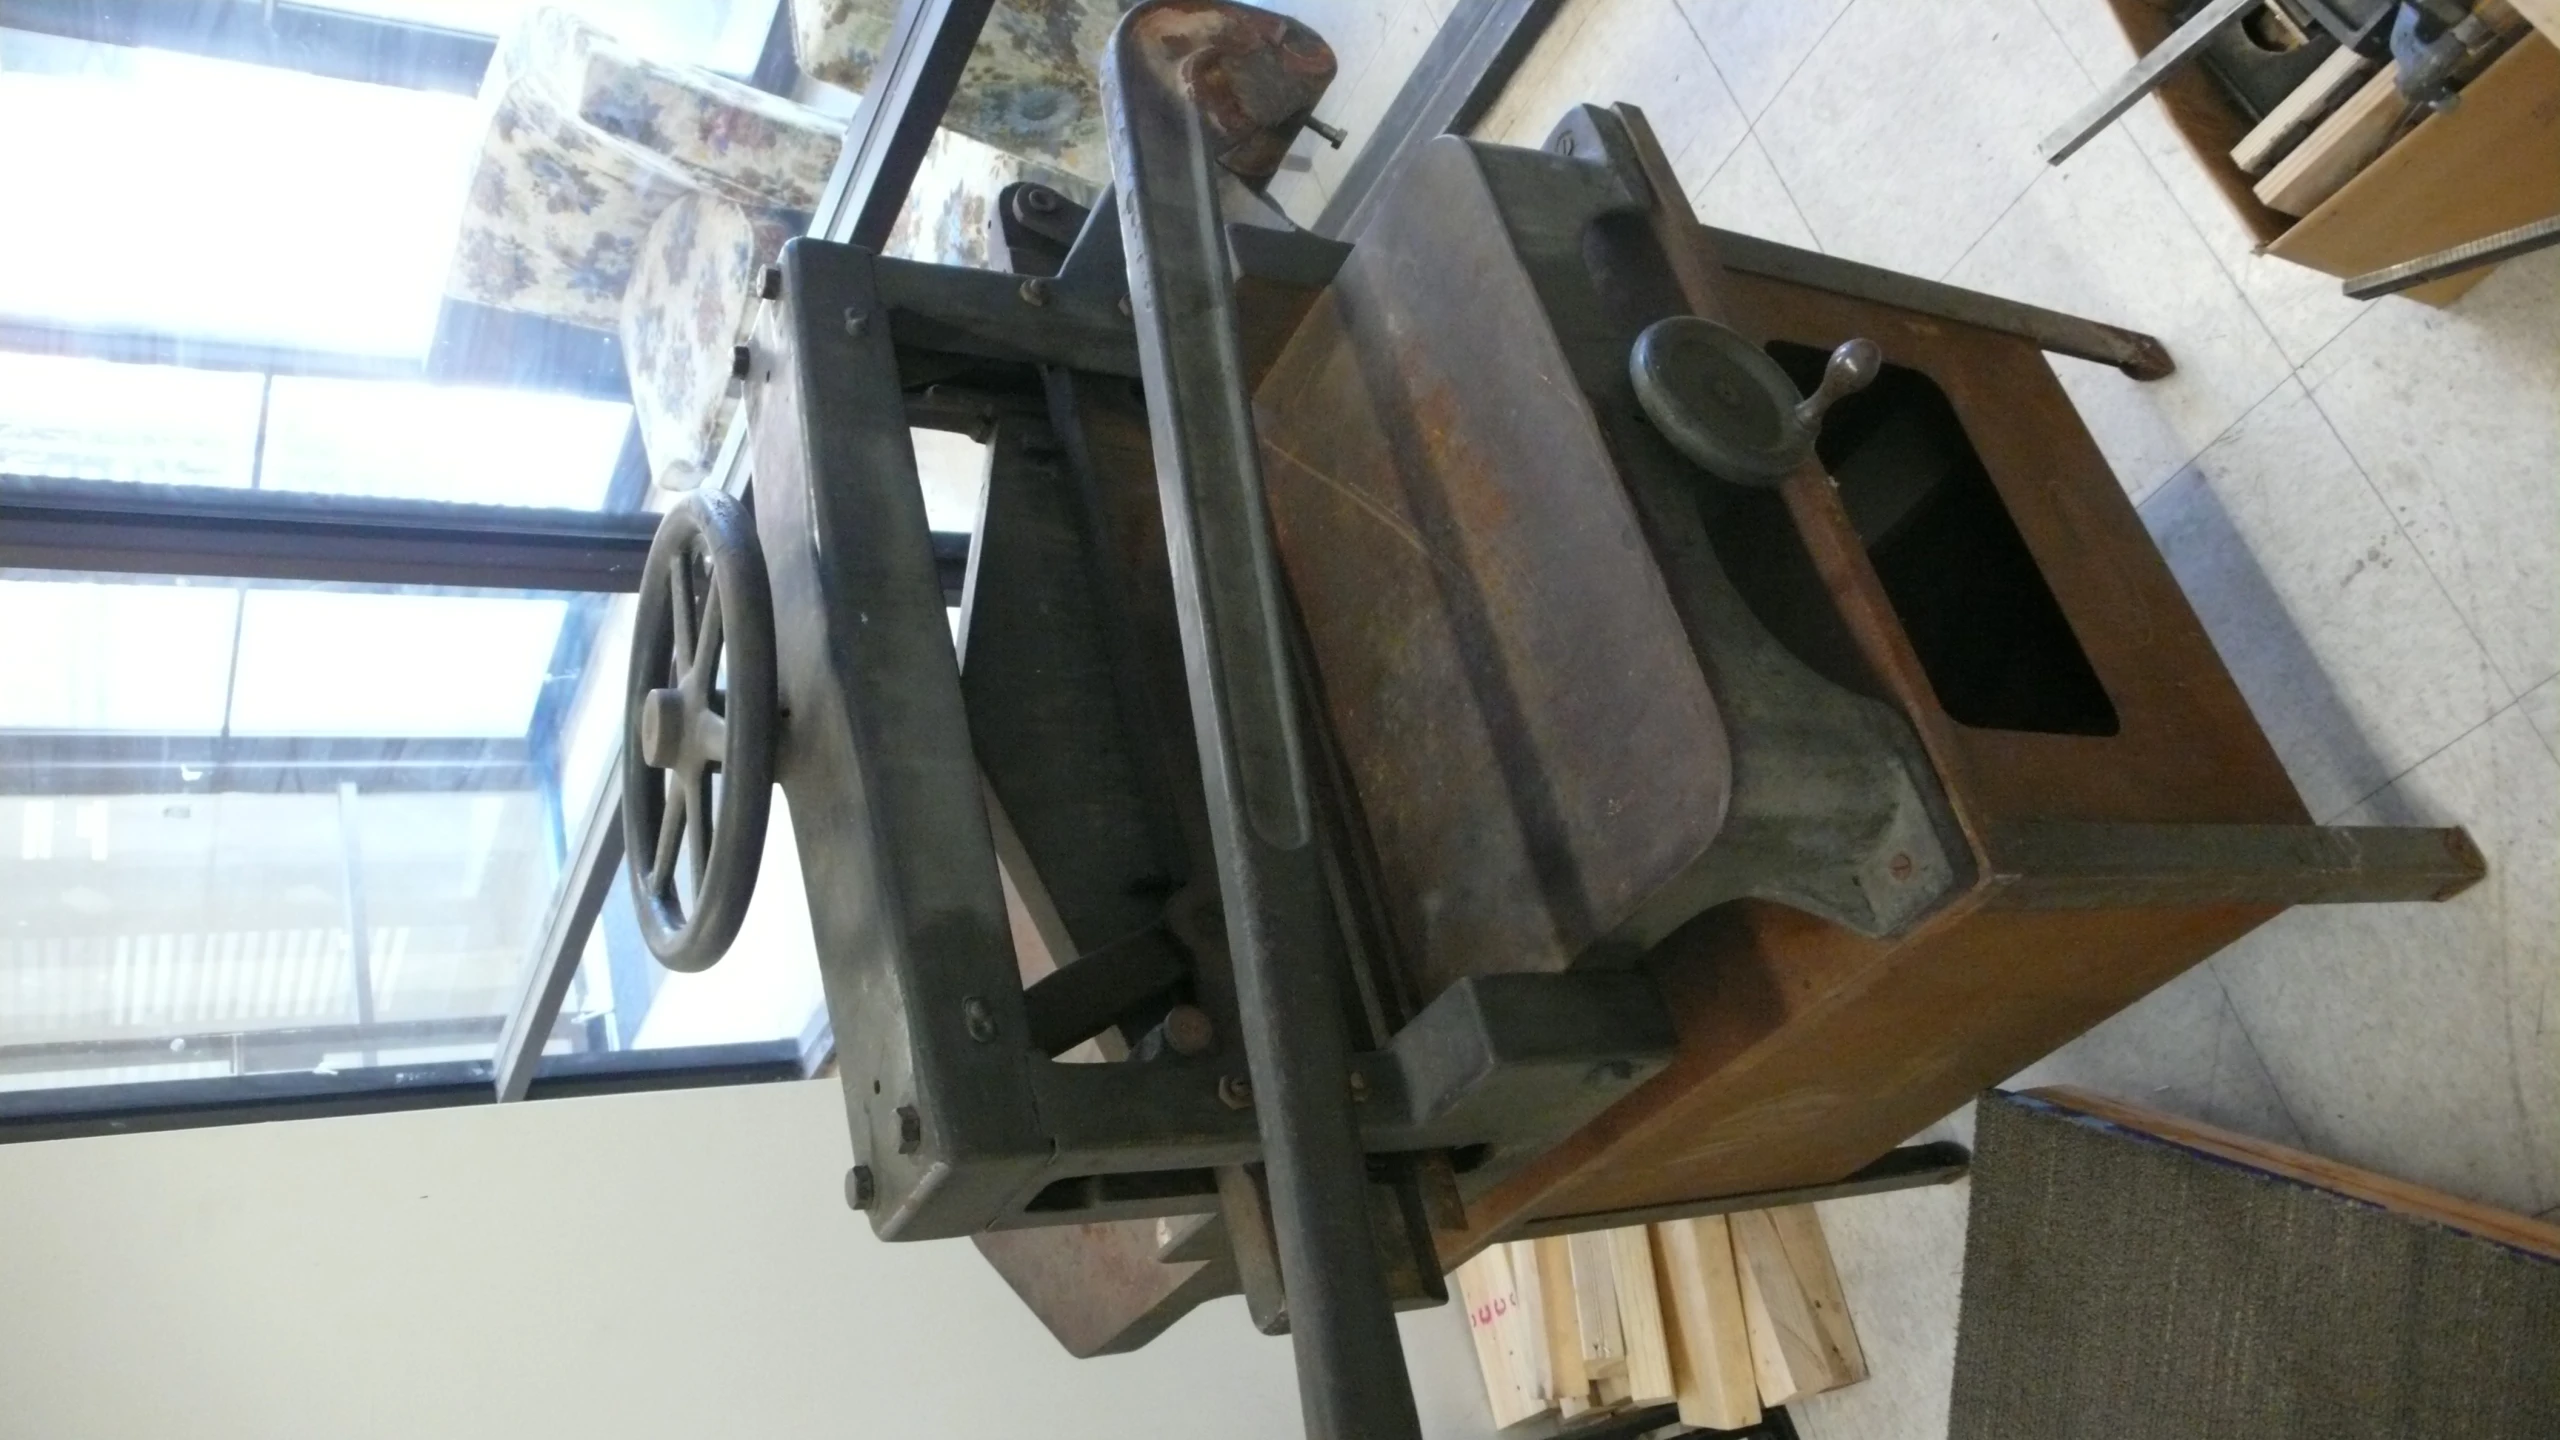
{"x": 1535, "y": 747}
{"x": 1101, "y": 1288}
{"x": 1252, "y": 76}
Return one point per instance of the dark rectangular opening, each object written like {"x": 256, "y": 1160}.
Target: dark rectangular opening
{"x": 1995, "y": 644}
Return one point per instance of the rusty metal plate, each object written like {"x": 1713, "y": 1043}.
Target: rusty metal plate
{"x": 1534, "y": 745}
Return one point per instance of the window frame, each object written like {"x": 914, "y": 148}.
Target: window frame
{"x": 108, "y": 526}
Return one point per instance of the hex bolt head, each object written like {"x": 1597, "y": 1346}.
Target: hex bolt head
{"x": 859, "y": 1188}
{"x": 1611, "y": 1072}
{"x": 980, "y": 1020}
{"x": 1188, "y": 1030}
{"x": 662, "y": 727}
{"x": 1235, "y": 1092}
{"x": 742, "y": 359}
{"x": 769, "y": 283}
{"x": 1035, "y": 291}
{"x": 910, "y": 1130}
{"x": 1039, "y": 198}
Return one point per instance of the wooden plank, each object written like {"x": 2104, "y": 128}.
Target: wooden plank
{"x": 1595, "y": 1301}
{"x": 1569, "y": 1384}
{"x": 2490, "y": 163}
{"x": 1802, "y": 1340}
{"x": 2295, "y": 114}
{"x": 1708, "y": 1337}
{"x": 1640, "y": 1316}
{"x": 1524, "y": 1284}
{"x": 2497, "y": 1226}
{"x": 2337, "y": 147}
{"x": 1496, "y": 1321}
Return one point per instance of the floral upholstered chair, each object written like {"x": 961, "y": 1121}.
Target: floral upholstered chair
{"x": 624, "y": 195}
{"x": 588, "y": 143}
{"x": 1031, "y": 88}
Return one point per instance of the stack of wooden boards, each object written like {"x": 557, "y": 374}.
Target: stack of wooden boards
{"x": 2341, "y": 119}
{"x": 2345, "y": 178}
{"x": 1722, "y": 1315}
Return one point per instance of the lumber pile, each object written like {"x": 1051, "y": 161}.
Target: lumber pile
{"x": 1721, "y": 1315}
{"x": 2341, "y": 119}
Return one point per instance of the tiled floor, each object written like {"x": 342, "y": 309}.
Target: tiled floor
{"x": 2363, "y": 503}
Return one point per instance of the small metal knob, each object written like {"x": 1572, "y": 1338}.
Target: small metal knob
{"x": 1853, "y": 367}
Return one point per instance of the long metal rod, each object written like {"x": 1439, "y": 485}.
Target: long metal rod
{"x": 1352, "y": 1383}
{"x": 2146, "y": 76}
{"x": 2470, "y": 255}
{"x": 2138, "y": 355}
{"x": 1913, "y": 1167}
{"x": 359, "y": 926}
{"x": 587, "y": 882}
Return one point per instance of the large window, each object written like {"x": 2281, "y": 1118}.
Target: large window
{"x": 304, "y": 816}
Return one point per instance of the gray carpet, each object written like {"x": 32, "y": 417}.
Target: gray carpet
{"x": 2117, "y": 1287}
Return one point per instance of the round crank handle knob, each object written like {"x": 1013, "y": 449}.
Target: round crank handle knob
{"x": 1853, "y": 367}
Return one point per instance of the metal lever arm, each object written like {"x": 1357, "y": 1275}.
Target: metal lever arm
{"x": 1190, "y": 86}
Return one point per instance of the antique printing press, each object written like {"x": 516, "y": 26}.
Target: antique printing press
{"x": 1445, "y": 738}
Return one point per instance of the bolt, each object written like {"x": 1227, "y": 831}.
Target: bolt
{"x": 741, "y": 360}
{"x": 1039, "y": 198}
{"x": 859, "y": 1188}
{"x": 1235, "y": 1092}
{"x": 910, "y": 1130}
{"x": 1035, "y": 291}
{"x": 1564, "y": 143}
{"x": 1899, "y": 867}
{"x": 769, "y": 283}
{"x": 1189, "y": 1031}
{"x": 1329, "y": 134}
{"x": 855, "y": 322}
{"x": 1611, "y": 1072}
{"x": 980, "y": 1020}
{"x": 1359, "y": 1088}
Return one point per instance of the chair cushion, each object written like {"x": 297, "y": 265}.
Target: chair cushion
{"x": 1031, "y": 88}
{"x": 587, "y": 144}
{"x": 691, "y": 301}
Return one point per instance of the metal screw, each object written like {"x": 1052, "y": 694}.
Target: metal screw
{"x": 910, "y": 1130}
{"x": 741, "y": 360}
{"x": 1329, "y": 134}
{"x": 1040, "y": 198}
{"x": 980, "y": 1020}
{"x": 855, "y": 322}
{"x": 1564, "y": 143}
{"x": 859, "y": 1188}
{"x": 1611, "y": 1072}
{"x": 769, "y": 283}
{"x": 1359, "y": 1087}
{"x": 1189, "y": 1031}
{"x": 1235, "y": 1092}
{"x": 1035, "y": 291}
{"x": 1899, "y": 867}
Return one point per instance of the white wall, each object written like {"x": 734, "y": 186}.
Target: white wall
{"x": 677, "y": 1265}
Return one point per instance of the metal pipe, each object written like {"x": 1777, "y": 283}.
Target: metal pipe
{"x": 1187, "y": 82}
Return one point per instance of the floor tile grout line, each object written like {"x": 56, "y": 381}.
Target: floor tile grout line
{"x": 2189, "y": 463}
{"x": 1793, "y": 70}
{"x": 2240, "y": 1023}
{"x": 2397, "y": 528}
{"x": 2429, "y": 758}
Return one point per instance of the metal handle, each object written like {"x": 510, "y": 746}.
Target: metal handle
{"x": 1854, "y": 367}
